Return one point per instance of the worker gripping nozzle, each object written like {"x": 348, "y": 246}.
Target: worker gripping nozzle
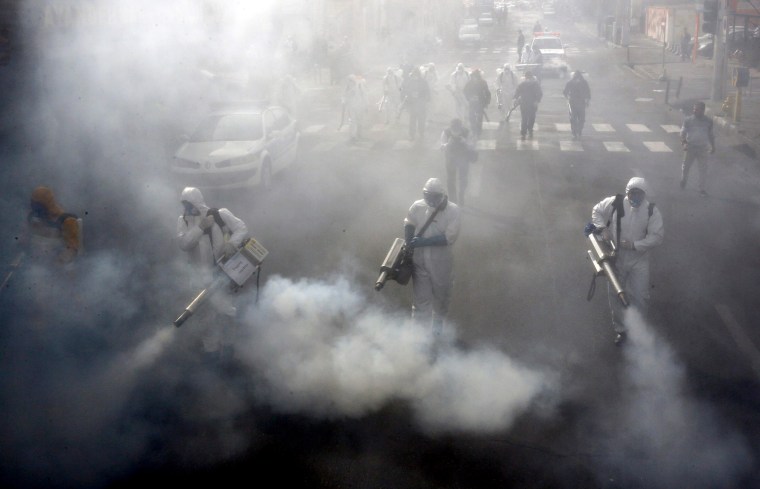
{"x": 232, "y": 271}
{"x": 396, "y": 266}
{"x": 603, "y": 254}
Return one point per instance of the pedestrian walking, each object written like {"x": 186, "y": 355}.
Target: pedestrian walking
{"x": 698, "y": 143}
{"x": 505, "y": 81}
{"x": 635, "y": 225}
{"x": 578, "y": 95}
{"x": 391, "y": 100}
{"x": 520, "y": 44}
{"x": 685, "y": 45}
{"x": 478, "y": 97}
{"x": 459, "y": 152}
{"x": 528, "y": 95}
{"x": 432, "y": 276}
{"x": 356, "y": 105}
{"x": 207, "y": 236}
{"x": 457, "y": 80}
{"x": 415, "y": 95}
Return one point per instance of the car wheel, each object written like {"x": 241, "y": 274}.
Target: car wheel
{"x": 266, "y": 175}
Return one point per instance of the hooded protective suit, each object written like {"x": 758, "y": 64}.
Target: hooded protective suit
{"x": 205, "y": 248}
{"x": 644, "y": 232}
{"x": 53, "y": 233}
{"x": 432, "y": 276}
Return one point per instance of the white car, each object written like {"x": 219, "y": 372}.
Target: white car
{"x": 552, "y": 52}
{"x": 469, "y": 34}
{"x": 237, "y": 147}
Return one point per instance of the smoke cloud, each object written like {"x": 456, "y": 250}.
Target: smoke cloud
{"x": 666, "y": 436}
{"x": 323, "y": 351}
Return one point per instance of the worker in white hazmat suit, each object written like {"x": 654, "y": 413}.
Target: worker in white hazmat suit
{"x": 432, "y": 276}
{"x": 207, "y": 235}
{"x": 640, "y": 229}
{"x": 356, "y": 106}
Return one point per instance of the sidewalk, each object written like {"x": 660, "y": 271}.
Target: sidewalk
{"x": 691, "y": 81}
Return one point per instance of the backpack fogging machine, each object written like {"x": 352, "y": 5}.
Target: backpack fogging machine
{"x": 397, "y": 265}
{"x": 603, "y": 253}
{"x": 233, "y": 271}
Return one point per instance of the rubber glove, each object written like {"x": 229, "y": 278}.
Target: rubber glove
{"x": 206, "y": 222}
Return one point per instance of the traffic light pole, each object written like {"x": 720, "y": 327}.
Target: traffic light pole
{"x": 719, "y": 57}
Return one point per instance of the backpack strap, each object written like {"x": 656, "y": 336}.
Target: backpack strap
{"x": 619, "y": 211}
{"x": 217, "y": 218}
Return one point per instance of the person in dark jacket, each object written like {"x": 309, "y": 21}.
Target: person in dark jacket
{"x": 459, "y": 152}
{"x": 415, "y": 95}
{"x": 478, "y": 97}
{"x": 578, "y": 94}
{"x": 528, "y": 95}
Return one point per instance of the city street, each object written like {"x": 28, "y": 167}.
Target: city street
{"x": 539, "y": 395}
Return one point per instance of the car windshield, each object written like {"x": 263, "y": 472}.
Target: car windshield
{"x": 469, "y": 29}
{"x": 547, "y": 43}
{"x": 229, "y": 127}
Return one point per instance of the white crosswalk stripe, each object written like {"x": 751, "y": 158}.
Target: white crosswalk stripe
{"x": 313, "y": 128}
{"x": 603, "y": 127}
{"x": 657, "y": 147}
{"x": 403, "y": 144}
{"x": 526, "y": 145}
{"x": 484, "y": 144}
{"x": 553, "y": 136}
{"x": 570, "y": 146}
{"x": 616, "y": 147}
{"x": 324, "y": 146}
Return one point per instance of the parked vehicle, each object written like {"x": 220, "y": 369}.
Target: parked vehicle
{"x": 239, "y": 146}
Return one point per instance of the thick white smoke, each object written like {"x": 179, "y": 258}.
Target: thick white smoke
{"x": 322, "y": 351}
{"x": 667, "y": 437}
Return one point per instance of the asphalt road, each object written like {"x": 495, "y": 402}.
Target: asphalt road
{"x": 676, "y": 407}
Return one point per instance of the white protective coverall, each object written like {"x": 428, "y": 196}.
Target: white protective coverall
{"x": 357, "y": 106}
{"x": 457, "y": 80}
{"x": 632, "y": 266}
{"x": 432, "y": 276}
{"x": 205, "y": 248}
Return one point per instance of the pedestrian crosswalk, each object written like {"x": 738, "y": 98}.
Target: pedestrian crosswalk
{"x": 598, "y": 136}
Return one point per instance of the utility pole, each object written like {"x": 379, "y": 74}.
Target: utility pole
{"x": 719, "y": 56}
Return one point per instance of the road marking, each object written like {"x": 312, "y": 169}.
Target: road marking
{"x": 643, "y": 99}
{"x": 403, "y": 144}
{"x": 616, "y": 146}
{"x": 740, "y": 337}
{"x": 485, "y": 144}
{"x": 657, "y": 147}
{"x": 527, "y": 145}
{"x": 323, "y": 146}
{"x": 670, "y": 128}
{"x": 603, "y": 128}
{"x": 490, "y": 125}
{"x": 496, "y": 51}
{"x": 314, "y": 128}
{"x": 570, "y": 146}
{"x": 562, "y": 126}
{"x": 638, "y": 128}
